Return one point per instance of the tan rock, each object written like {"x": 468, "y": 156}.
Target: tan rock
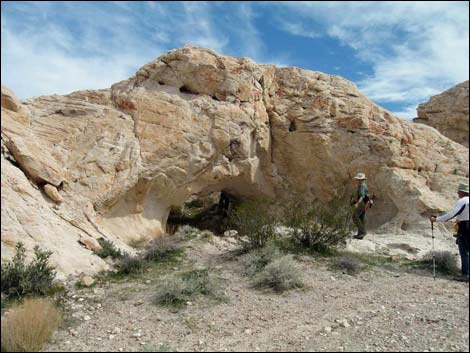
{"x": 90, "y": 243}
{"x": 448, "y": 113}
{"x": 87, "y": 281}
{"x": 193, "y": 122}
{"x": 53, "y": 193}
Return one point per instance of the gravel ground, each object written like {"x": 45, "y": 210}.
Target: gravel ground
{"x": 377, "y": 310}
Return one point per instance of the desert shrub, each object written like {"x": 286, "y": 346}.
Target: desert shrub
{"x": 176, "y": 290}
{"x": 29, "y": 326}
{"x": 257, "y": 259}
{"x": 254, "y": 220}
{"x": 20, "y": 279}
{"x": 446, "y": 263}
{"x": 199, "y": 281}
{"x": 280, "y": 275}
{"x": 348, "y": 264}
{"x": 108, "y": 249}
{"x": 128, "y": 264}
{"x": 162, "y": 250}
{"x": 172, "y": 292}
{"x": 139, "y": 243}
{"x": 320, "y": 228}
{"x": 187, "y": 232}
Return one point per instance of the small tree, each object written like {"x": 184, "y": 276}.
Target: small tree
{"x": 319, "y": 227}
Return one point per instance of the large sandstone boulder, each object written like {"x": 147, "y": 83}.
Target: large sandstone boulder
{"x": 193, "y": 122}
{"x": 448, "y": 113}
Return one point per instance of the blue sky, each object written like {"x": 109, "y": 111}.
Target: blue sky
{"x": 398, "y": 53}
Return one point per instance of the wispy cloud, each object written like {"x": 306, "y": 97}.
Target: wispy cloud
{"x": 416, "y": 49}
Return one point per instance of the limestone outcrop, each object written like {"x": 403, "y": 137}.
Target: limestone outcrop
{"x": 448, "y": 113}
{"x": 111, "y": 163}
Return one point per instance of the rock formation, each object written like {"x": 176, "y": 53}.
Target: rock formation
{"x": 448, "y": 113}
{"x": 110, "y": 163}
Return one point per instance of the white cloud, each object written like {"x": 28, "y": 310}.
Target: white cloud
{"x": 298, "y": 29}
{"x": 415, "y": 49}
{"x": 409, "y": 113}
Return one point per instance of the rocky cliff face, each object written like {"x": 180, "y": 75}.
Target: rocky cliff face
{"x": 111, "y": 163}
{"x": 448, "y": 113}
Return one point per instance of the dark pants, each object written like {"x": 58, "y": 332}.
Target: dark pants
{"x": 359, "y": 219}
{"x": 463, "y": 240}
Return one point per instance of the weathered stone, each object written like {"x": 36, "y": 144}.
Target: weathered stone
{"x": 90, "y": 243}
{"x": 448, "y": 112}
{"x": 87, "y": 281}
{"x": 53, "y": 193}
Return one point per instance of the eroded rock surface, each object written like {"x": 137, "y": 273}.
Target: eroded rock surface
{"x": 448, "y": 113}
{"x": 193, "y": 122}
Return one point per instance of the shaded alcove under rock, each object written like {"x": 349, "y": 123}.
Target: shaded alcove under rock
{"x": 210, "y": 212}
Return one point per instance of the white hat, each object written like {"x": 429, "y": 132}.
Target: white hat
{"x": 360, "y": 176}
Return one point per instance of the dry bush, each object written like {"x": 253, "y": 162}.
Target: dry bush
{"x": 29, "y": 326}
{"x": 348, "y": 264}
{"x": 176, "y": 290}
{"x": 258, "y": 259}
{"x": 281, "y": 274}
{"x": 162, "y": 250}
{"x": 446, "y": 263}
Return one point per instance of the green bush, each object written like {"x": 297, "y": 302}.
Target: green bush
{"x": 108, "y": 249}
{"x": 446, "y": 263}
{"x": 128, "y": 264}
{"x": 256, "y": 221}
{"x": 20, "y": 279}
{"x": 280, "y": 275}
{"x": 320, "y": 228}
{"x": 257, "y": 259}
{"x": 162, "y": 250}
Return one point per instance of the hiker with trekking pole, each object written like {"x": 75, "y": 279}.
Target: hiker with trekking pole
{"x": 460, "y": 212}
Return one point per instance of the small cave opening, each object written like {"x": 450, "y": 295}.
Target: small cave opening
{"x": 292, "y": 126}
{"x": 210, "y": 212}
{"x": 186, "y": 89}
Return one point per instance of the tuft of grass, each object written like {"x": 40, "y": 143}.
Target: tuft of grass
{"x": 257, "y": 259}
{"x": 162, "y": 250}
{"x": 280, "y": 275}
{"x": 348, "y": 264}
{"x": 177, "y": 289}
{"x": 128, "y": 265}
{"x": 29, "y": 326}
{"x": 20, "y": 279}
{"x": 138, "y": 243}
{"x": 108, "y": 249}
{"x": 446, "y": 263}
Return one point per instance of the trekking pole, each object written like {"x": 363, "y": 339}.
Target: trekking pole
{"x": 433, "y": 256}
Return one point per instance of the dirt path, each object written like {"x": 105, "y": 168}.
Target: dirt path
{"x": 377, "y": 310}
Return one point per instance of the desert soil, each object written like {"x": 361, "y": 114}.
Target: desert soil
{"x": 379, "y": 309}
